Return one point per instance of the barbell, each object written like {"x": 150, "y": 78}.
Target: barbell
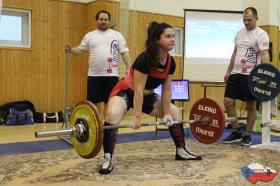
{"x": 207, "y": 122}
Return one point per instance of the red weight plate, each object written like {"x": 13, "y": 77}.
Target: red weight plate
{"x": 213, "y": 130}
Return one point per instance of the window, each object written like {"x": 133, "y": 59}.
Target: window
{"x": 177, "y": 50}
{"x": 15, "y": 28}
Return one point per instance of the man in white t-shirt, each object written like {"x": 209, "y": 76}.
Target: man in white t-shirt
{"x": 104, "y": 46}
{"x": 251, "y": 49}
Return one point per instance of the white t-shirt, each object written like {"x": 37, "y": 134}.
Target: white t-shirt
{"x": 104, "y": 48}
{"x": 249, "y": 44}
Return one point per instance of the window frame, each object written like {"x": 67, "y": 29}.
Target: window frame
{"x": 179, "y": 43}
{"x": 26, "y": 28}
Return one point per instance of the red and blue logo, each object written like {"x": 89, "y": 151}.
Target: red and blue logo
{"x": 257, "y": 172}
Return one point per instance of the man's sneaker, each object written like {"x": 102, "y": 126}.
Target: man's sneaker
{"x": 229, "y": 126}
{"x": 246, "y": 140}
{"x": 184, "y": 154}
{"x": 235, "y": 136}
{"x": 107, "y": 165}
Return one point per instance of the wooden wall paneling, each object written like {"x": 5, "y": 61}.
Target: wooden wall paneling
{"x": 70, "y": 26}
{"x": 91, "y": 11}
{"x": 136, "y": 34}
{"x": 43, "y": 66}
{"x": 78, "y": 64}
{"x": 274, "y": 37}
{"x": 59, "y": 24}
{"x": 56, "y": 22}
{"x": 2, "y": 67}
{"x": 273, "y": 32}
{"x": 42, "y": 55}
{"x": 276, "y": 47}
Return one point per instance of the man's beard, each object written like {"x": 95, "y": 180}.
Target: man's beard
{"x": 103, "y": 27}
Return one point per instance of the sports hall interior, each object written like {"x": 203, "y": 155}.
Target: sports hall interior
{"x": 37, "y": 74}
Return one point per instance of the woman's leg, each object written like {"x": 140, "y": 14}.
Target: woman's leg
{"x": 115, "y": 111}
{"x": 176, "y": 132}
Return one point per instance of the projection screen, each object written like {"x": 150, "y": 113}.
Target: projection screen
{"x": 208, "y": 43}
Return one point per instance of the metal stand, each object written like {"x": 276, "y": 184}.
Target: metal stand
{"x": 267, "y": 124}
{"x": 66, "y": 124}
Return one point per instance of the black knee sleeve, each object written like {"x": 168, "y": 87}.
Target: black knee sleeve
{"x": 177, "y": 134}
{"x": 110, "y": 139}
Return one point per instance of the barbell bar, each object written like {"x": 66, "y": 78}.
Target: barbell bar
{"x": 76, "y": 130}
{"x": 206, "y": 122}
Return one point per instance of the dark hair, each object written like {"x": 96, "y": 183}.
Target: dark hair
{"x": 251, "y": 9}
{"x": 104, "y": 12}
{"x": 154, "y": 32}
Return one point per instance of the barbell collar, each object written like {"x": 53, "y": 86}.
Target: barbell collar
{"x": 40, "y": 134}
{"x": 231, "y": 119}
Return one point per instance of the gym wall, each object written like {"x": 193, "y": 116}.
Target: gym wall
{"x": 38, "y": 74}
